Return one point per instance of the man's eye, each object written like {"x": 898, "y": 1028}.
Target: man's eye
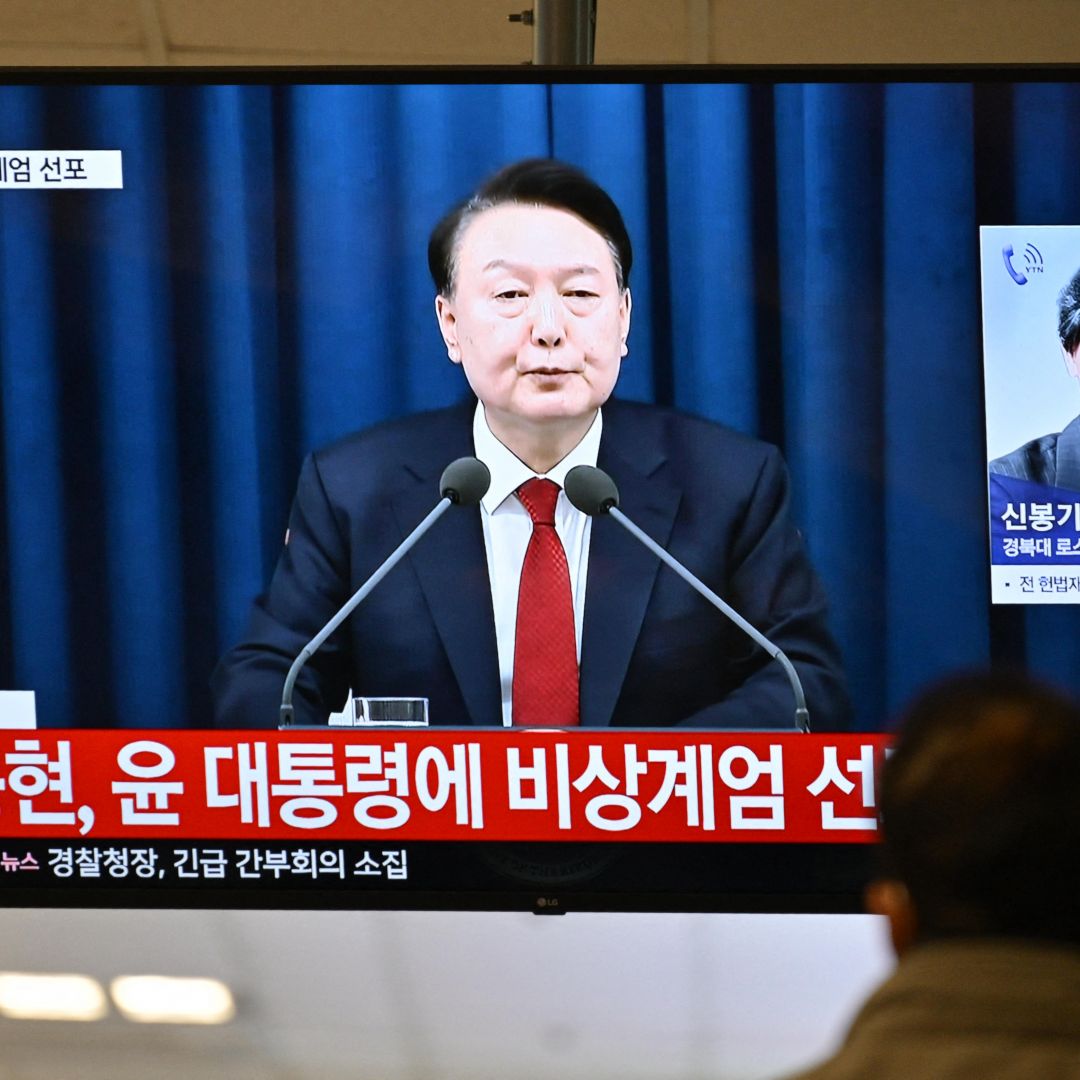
{"x": 510, "y": 294}
{"x": 581, "y": 294}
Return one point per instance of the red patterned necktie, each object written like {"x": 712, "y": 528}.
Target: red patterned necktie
{"x": 545, "y": 648}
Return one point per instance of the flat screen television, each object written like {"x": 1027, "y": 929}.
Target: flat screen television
{"x": 205, "y": 275}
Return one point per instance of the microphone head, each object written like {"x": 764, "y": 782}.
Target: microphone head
{"x": 465, "y": 481}
{"x": 591, "y": 490}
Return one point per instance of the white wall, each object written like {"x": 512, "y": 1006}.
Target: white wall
{"x": 209, "y": 32}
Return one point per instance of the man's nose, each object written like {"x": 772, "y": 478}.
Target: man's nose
{"x": 548, "y": 329}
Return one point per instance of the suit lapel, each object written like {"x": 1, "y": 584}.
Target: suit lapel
{"x": 622, "y": 571}
{"x": 451, "y": 567}
{"x": 451, "y": 564}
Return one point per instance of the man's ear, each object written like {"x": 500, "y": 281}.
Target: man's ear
{"x": 444, "y": 312}
{"x": 890, "y": 898}
{"x": 625, "y": 304}
{"x": 1072, "y": 364}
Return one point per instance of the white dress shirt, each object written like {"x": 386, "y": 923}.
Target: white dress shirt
{"x": 508, "y": 529}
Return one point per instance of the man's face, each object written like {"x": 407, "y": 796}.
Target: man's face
{"x": 536, "y": 319}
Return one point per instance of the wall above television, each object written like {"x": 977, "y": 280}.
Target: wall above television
{"x": 184, "y": 33}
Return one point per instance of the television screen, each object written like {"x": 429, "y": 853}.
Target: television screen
{"x": 206, "y": 278}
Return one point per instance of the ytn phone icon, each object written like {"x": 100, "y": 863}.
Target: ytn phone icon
{"x": 1016, "y": 275}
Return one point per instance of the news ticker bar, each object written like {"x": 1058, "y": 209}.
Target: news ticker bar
{"x": 440, "y": 784}
{"x": 549, "y": 877}
{"x": 156, "y": 864}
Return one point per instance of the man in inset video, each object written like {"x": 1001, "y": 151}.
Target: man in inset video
{"x": 525, "y": 611}
{"x": 981, "y": 817}
{"x": 1054, "y": 459}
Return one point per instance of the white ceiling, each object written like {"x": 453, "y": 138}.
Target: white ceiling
{"x": 426, "y": 995}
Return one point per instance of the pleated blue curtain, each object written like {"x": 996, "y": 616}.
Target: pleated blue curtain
{"x": 805, "y": 270}
{"x": 35, "y": 612}
{"x": 932, "y": 429}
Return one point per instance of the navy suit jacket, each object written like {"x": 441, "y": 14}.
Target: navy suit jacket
{"x": 653, "y": 654}
{"x": 1052, "y": 460}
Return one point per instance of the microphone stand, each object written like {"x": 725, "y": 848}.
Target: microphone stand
{"x": 802, "y": 714}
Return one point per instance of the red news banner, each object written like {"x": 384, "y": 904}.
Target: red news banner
{"x": 440, "y": 784}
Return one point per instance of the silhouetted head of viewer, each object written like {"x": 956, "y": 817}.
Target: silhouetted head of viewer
{"x": 980, "y": 807}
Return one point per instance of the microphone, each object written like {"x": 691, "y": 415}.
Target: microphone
{"x": 463, "y": 483}
{"x": 593, "y": 492}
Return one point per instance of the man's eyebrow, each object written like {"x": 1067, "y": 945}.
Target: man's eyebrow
{"x": 566, "y": 271}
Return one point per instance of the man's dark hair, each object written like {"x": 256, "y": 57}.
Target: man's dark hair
{"x": 1069, "y": 315}
{"x": 980, "y": 804}
{"x": 532, "y": 182}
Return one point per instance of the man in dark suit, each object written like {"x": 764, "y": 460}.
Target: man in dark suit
{"x": 491, "y": 617}
{"x": 1053, "y": 460}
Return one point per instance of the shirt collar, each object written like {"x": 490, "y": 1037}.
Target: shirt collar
{"x": 509, "y": 472}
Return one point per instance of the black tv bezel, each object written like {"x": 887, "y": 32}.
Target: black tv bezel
{"x": 818, "y": 878}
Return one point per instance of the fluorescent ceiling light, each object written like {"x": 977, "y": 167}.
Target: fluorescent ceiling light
{"x": 51, "y": 997}
{"x": 160, "y": 999}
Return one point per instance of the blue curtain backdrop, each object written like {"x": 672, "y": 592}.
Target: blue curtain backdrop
{"x": 806, "y": 269}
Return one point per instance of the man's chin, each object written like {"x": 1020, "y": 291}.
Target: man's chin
{"x": 553, "y": 409}
{"x": 544, "y": 403}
